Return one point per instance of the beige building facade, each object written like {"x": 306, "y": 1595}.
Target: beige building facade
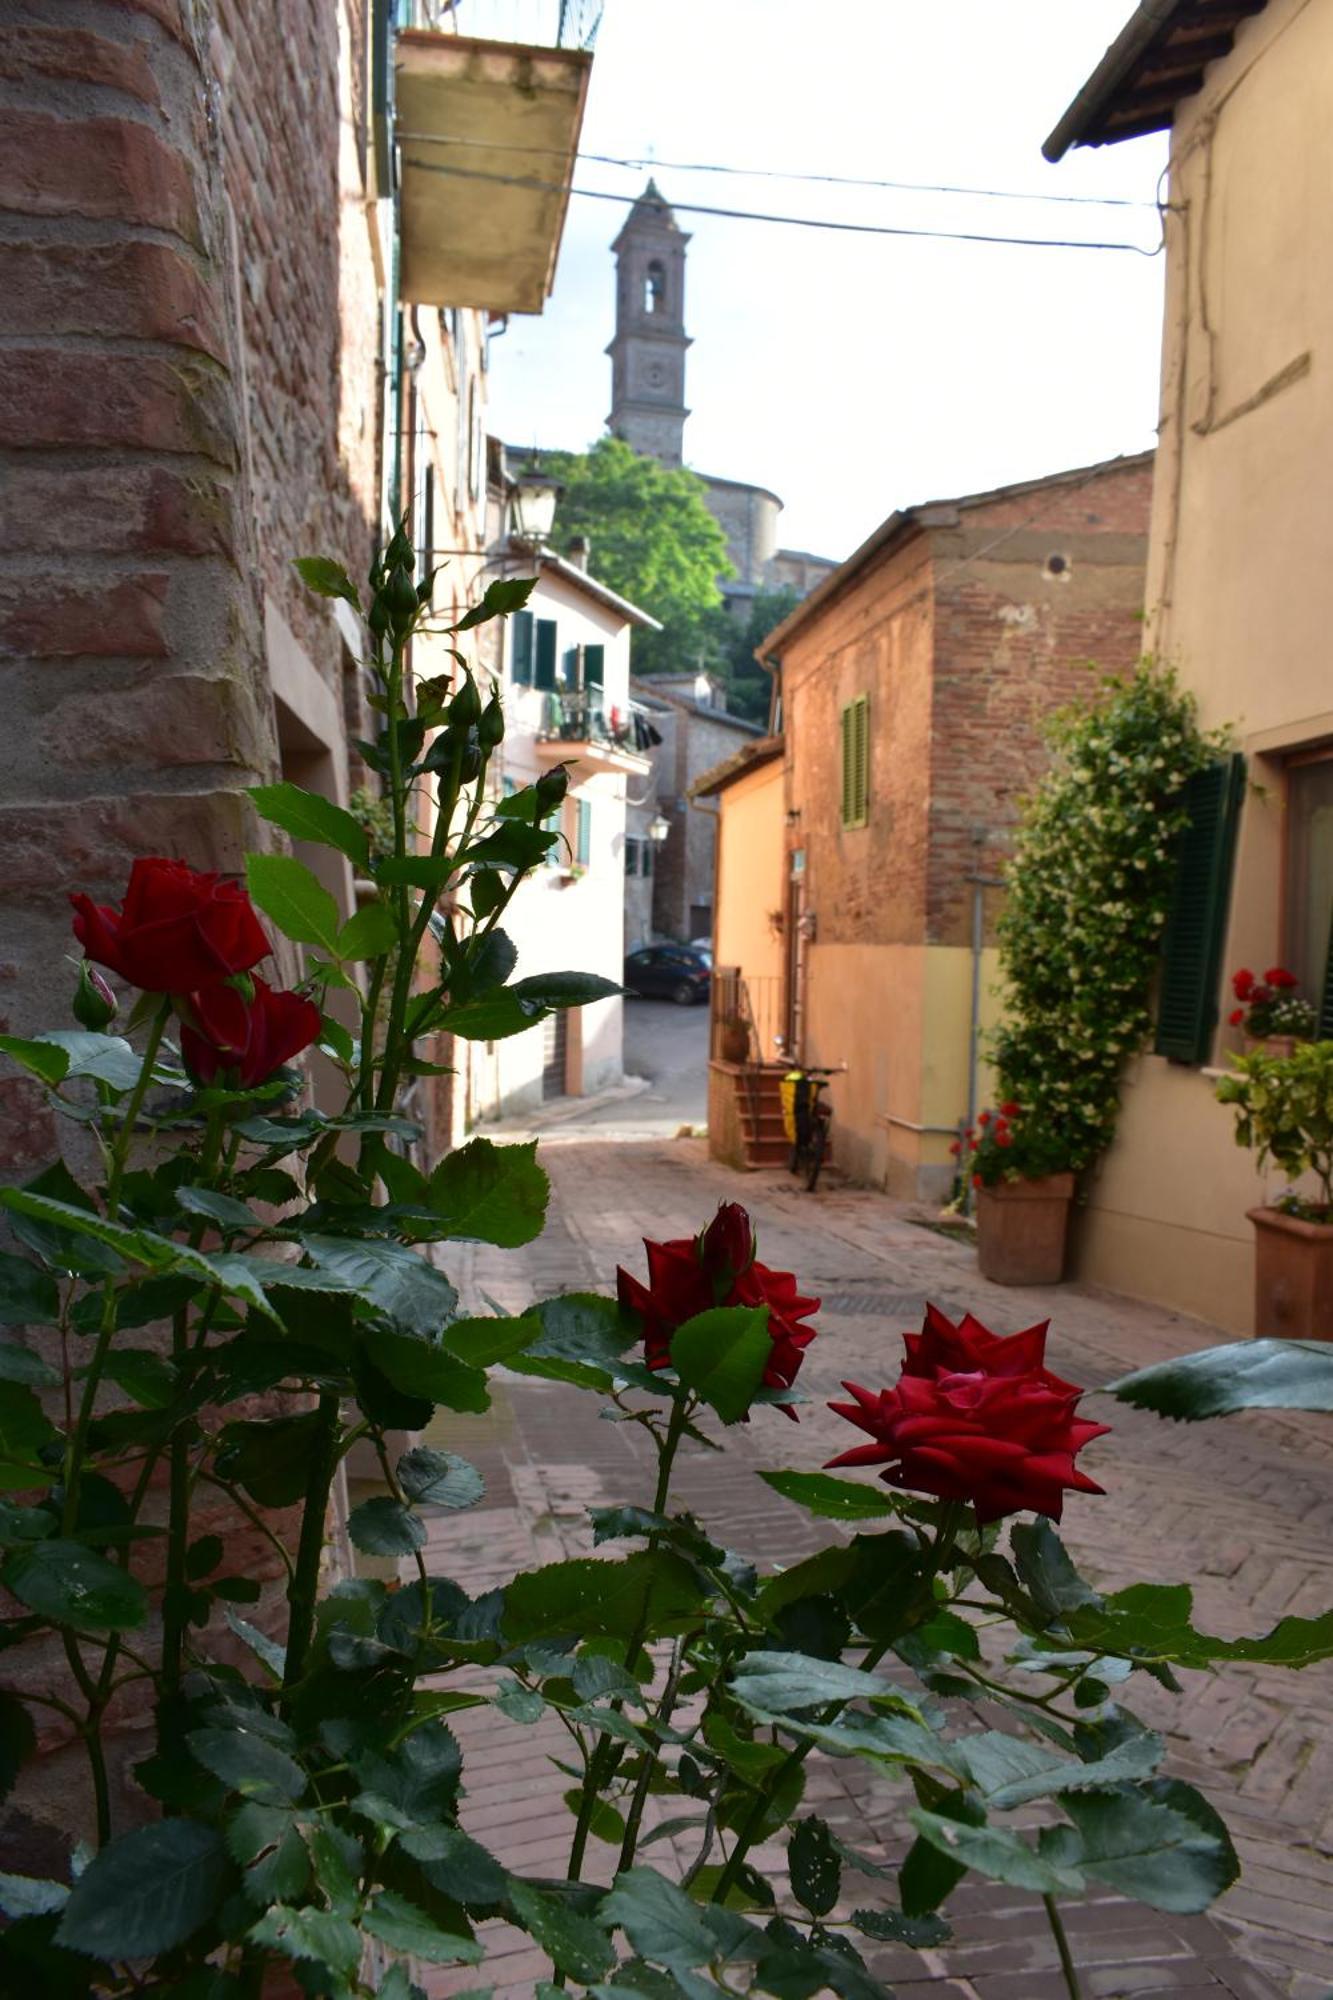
{"x": 1239, "y": 589}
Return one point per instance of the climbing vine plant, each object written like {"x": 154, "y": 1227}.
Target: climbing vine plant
{"x": 1088, "y": 890}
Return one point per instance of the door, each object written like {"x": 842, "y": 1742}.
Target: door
{"x": 555, "y": 1045}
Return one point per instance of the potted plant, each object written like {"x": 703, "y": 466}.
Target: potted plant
{"x": 1024, "y": 1187}
{"x": 1284, "y": 1112}
{"x": 733, "y": 1039}
{"x": 1271, "y": 1014}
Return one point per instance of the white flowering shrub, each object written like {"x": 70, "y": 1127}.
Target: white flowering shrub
{"x": 1088, "y": 890}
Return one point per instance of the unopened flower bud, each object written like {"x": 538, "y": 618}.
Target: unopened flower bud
{"x": 550, "y": 789}
{"x": 727, "y": 1246}
{"x": 470, "y": 762}
{"x": 491, "y": 728}
{"x": 465, "y": 708}
{"x": 94, "y": 1005}
{"x": 401, "y": 598}
{"x": 400, "y": 553}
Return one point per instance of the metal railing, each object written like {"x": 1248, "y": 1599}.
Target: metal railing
{"x": 550, "y": 24}
{"x": 746, "y": 1016}
{"x": 586, "y": 718}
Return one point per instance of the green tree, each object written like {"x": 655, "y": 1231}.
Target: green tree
{"x": 653, "y": 540}
{"x": 749, "y": 685}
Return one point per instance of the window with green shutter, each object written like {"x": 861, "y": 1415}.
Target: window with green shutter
{"x": 1197, "y": 916}
{"x": 520, "y": 648}
{"x": 594, "y": 666}
{"x": 856, "y": 761}
{"x": 583, "y": 831}
{"x": 544, "y": 676}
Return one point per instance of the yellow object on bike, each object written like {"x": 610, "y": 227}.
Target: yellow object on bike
{"x": 787, "y": 1090}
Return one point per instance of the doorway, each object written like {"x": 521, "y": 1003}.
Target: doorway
{"x": 555, "y": 1053}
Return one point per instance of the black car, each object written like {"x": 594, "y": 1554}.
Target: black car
{"x": 668, "y": 972}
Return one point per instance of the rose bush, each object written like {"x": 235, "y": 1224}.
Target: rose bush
{"x": 243, "y": 1287}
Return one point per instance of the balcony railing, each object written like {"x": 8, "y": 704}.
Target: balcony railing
{"x": 586, "y": 718}
{"x": 539, "y": 24}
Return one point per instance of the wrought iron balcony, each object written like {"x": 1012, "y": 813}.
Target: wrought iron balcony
{"x": 598, "y": 736}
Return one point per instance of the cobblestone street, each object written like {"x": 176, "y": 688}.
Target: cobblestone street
{"x": 1242, "y": 1509}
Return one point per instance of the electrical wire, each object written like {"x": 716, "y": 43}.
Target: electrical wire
{"x": 776, "y": 173}
{"x": 790, "y": 221}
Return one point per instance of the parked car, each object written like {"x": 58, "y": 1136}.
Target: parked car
{"x": 704, "y": 947}
{"x": 668, "y": 972}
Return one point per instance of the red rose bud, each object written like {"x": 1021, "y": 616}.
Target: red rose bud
{"x": 175, "y": 931}
{"x": 1011, "y": 1110}
{"x": 975, "y": 1417}
{"x": 956, "y": 1148}
{"x": 1003, "y": 1136}
{"x": 983, "y": 1118}
{"x": 1278, "y": 976}
{"x": 1242, "y": 983}
{"x": 681, "y": 1285}
{"x": 727, "y": 1246}
{"x": 94, "y": 1004}
{"x": 239, "y": 1042}
{"x": 1236, "y": 1016}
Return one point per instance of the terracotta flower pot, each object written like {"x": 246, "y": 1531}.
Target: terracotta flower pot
{"x": 1293, "y": 1276}
{"x": 1021, "y": 1230}
{"x": 734, "y": 1042}
{"x": 1269, "y": 1045}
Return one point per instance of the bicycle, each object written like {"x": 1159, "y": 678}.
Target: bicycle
{"x": 808, "y": 1115}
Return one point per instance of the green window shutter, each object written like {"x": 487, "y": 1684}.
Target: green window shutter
{"x": 554, "y": 857}
{"x": 855, "y": 723}
{"x": 544, "y": 676}
{"x": 594, "y": 666}
{"x": 569, "y": 670}
{"x": 1325, "y": 1027}
{"x": 582, "y": 831}
{"x": 1197, "y": 917}
{"x": 646, "y": 858}
{"x": 520, "y": 655}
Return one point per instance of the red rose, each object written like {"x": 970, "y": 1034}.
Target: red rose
{"x": 231, "y": 1040}
{"x": 956, "y": 1148}
{"x": 983, "y": 1118}
{"x": 975, "y": 1417}
{"x": 692, "y": 1274}
{"x": 1011, "y": 1110}
{"x": 1242, "y": 983}
{"x": 176, "y": 930}
{"x": 1003, "y": 1136}
{"x": 1278, "y": 976}
{"x": 1236, "y": 1016}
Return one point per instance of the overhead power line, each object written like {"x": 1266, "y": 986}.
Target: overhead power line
{"x": 788, "y": 221}
{"x": 645, "y": 164}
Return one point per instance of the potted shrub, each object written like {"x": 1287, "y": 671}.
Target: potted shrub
{"x": 733, "y": 1039}
{"x": 1284, "y": 1112}
{"x": 1271, "y": 1015}
{"x": 1024, "y": 1186}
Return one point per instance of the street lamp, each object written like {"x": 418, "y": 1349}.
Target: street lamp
{"x": 658, "y": 828}
{"x": 532, "y": 501}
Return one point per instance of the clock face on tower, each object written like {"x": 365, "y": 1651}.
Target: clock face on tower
{"x": 656, "y": 375}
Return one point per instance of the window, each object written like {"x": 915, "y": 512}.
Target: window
{"x": 554, "y": 857}
{"x": 569, "y": 670}
{"x": 646, "y": 858}
{"x": 1308, "y": 946}
{"x": 544, "y": 669}
{"x": 856, "y": 761}
{"x": 654, "y": 288}
{"x": 594, "y": 667}
{"x": 583, "y": 831}
{"x": 520, "y": 648}
{"x": 1197, "y": 918}
{"x": 633, "y": 849}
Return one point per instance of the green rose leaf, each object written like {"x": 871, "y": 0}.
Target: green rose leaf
{"x": 1009, "y": 1771}
{"x": 18, "y": 1740}
{"x": 659, "y": 1919}
{"x": 480, "y": 1343}
{"x": 326, "y": 578}
{"x": 1161, "y": 1844}
{"x": 224, "y": 1209}
{"x": 1003, "y": 1856}
{"x": 311, "y": 1934}
{"x": 722, "y": 1355}
{"x": 30, "y": 1896}
{"x": 264, "y": 1840}
{"x": 578, "y": 1947}
{"x": 439, "y": 1478}
{"x": 397, "y": 1280}
{"x": 834, "y": 1499}
{"x": 28, "y": 1294}
{"x": 307, "y": 816}
{"x": 779, "y": 1682}
{"x": 493, "y": 1018}
{"x": 456, "y": 1864}
{"x": 295, "y": 899}
{"x": 1152, "y": 1620}
{"x": 585, "y": 1597}
{"x": 1247, "y": 1375}
{"x": 487, "y": 1194}
{"x": 814, "y": 1865}
{"x": 73, "y": 1585}
{"x": 249, "y": 1764}
{"x": 506, "y": 594}
{"x": 564, "y": 989}
{"x": 398, "y": 1922}
{"x": 1044, "y": 1565}
{"x": 421, "y": 1368}
{"x": 582, "y": 1339}
{"x": 146, "y": 1892}
{"x": 385, "y": 1527}
{"x": 369, "y": 932}
{"x": 24, "y": 1429}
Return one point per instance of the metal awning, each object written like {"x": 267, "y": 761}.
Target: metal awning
{"x": 487, "y": 133}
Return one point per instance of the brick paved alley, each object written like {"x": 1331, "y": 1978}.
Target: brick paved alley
{"x": 1241, "y": 1509}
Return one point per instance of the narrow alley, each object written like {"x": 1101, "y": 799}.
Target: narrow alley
{"x": 1240, "y": 1509}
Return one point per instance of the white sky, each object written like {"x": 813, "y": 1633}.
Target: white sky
{"x": 855, "y": 374}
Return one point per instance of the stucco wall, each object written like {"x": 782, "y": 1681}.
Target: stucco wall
{"x": 750, "y": 879}
{"x": 1239, "y": 593}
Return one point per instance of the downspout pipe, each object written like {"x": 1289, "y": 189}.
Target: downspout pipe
{"x": 1144, "y": 25}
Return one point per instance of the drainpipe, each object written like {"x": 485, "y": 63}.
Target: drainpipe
{"x": 979, "y": 885}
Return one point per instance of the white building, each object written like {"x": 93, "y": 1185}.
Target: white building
{"x": 565, "y": 684}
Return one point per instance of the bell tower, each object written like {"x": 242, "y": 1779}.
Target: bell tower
{"x": 648, "y": 351}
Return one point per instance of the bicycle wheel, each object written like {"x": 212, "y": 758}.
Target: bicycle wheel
{"x": 818, "y": 1147}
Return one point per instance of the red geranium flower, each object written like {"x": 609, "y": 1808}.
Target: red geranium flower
{"x": 175, "y": 931}
{"x": 1011, "y": 1110}
{"x": 983, "y": 1118}
{"x": 1242, "y": 983}
{"x": 692, "y": 1274}
{"x": 975, "y": 1417}
{"x": 1236, "y": 1016}
{"x": 1278, "y": 976}
{"x": 1003, "y": 1136}
{"x": 230, "y": 1039}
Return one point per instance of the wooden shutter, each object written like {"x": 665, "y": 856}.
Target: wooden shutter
{"x": 520, "y": 656}
{"x": 583, "y": 831}
{"x": 1197, "y": 916}
{"x": 594, "y": 666}
{"x": 856, "y": 762}
{"x": 544, "y": 677}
